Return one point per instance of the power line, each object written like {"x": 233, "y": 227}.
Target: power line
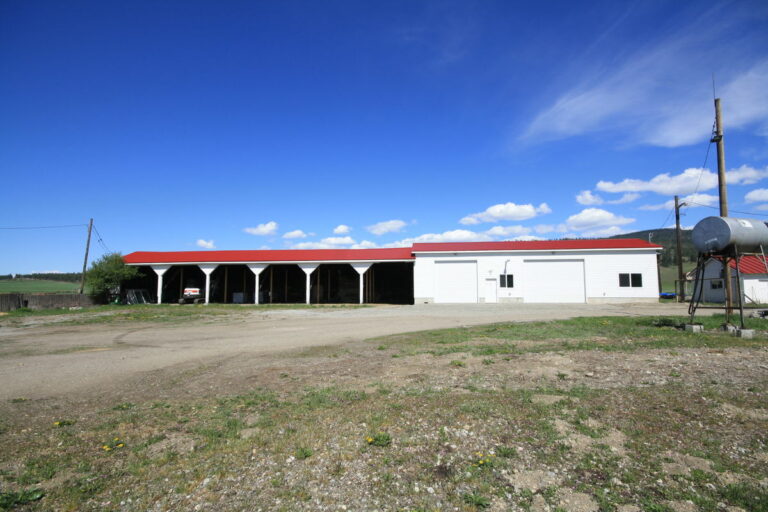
{"x": 668, "y": 216}
{"x": 706, "y": 157}
{"x": 47, "y": 227}
{"x": 100, "y": 240}
{"x": 734, "y": 211}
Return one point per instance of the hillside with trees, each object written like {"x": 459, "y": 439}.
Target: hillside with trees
{"x": 666, "y": 238}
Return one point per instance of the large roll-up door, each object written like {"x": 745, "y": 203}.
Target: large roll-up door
{"x": 554, "y": 281}
{"x": 456, "y": 281}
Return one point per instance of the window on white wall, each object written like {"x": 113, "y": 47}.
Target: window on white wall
{"x": 631, "y": 280}
{"x": 507, "y": 281}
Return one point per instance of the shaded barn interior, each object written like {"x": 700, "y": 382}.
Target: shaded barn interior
{"x": 232, "y": 284}
{"x": 389, "y": 283}
{"x": 146, "y": 280}
{"x": 282, "y": 284}
{"x": 334, "y": 283}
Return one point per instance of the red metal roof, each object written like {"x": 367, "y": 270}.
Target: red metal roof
{"x": 537, "y": 245}
{"x": 398, "y": 253}
{"x": 749, "y": 264}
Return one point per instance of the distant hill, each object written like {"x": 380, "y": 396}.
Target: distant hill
{"x": 666, "y": 238}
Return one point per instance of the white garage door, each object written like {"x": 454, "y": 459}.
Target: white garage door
{"x": 456, "y": 281}
{"x": 554, "y": 281}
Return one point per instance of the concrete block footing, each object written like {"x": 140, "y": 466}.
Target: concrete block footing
{"x": 694, "y": 328}
{"x": 747, "y": 334}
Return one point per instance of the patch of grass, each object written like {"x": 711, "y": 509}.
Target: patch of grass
{"x": 38, "y": 470}
{"x": 302, "y": 453}
{"x": 476, "y": 500}
{"x": 12, "y": 499}
{"x": 746, "y": 496}
{"x": 587, "y": 333}
{"x": 380, "y": 439}
{"x": 506, "y": 452}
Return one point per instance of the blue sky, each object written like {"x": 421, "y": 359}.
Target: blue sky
{"x": 181, "y": 125}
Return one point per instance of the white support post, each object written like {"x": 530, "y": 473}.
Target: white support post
{"x": 160, "y": 270}
{"x": 361, "y": 268}
{"x": 308, "y": 268}
{"x": 257, "y": 269}
{"x": 208, "y": 270}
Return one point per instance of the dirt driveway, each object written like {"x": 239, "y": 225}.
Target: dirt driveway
{"x": 54, "y": 360}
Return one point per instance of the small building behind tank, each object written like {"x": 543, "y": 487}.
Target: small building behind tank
{"x": 754, "y": 280}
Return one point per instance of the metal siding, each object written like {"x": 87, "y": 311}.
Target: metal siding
{"x": 554, "y": 281}
{"x": 456, "y": 281}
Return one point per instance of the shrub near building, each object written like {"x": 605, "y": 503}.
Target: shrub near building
{"x": 107, "y": 274}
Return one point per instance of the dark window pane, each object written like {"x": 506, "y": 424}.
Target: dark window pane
{"x": 623, "y": 279}
{"x": 637, "y": 280}
{"x": 503, "y": 281}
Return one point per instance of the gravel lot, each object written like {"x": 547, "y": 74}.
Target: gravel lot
{"x": 43, "y": 359}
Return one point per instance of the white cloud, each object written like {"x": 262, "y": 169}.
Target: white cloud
{"x": 686, "y": 182}
{"x": 664, "y": 184}
{"x": 587, "y": 198}
{"x": 626, "y": 198}
{"x": 268, "y": 228}
{"x": 592, "y": 218}
{"x": 746, "y": 175}
{"x": 603, "y": 232}
{"x": 507, "y": 231}
{"x": 544, "y": 228}
{"x": 205, "y": 244}
{"x": 313, "y": 245}
{"x": 506, "y": 211}
{"x": 457, "y": 235}
{"x": 759, "y": 195}
{"x": 296, "y": 233}
{"x": 387, "y": 226}
{"x": 338, "y": 240}
{"x": 365, "y": 244}
{"x": 341, "y": 229}
{"x": 658, "y": 91}
{"x": 692, "y": 201}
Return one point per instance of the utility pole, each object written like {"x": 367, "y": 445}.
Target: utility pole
{"x": 85, "y": 260}
{"x": 680, "y": 274}
{"x": 718, "y": 139}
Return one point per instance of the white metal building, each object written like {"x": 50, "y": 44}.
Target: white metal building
{"x": 552, "y": 271}
{"x": 559, "y": 271}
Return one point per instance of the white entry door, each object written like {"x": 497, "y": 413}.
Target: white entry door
{"x": 554, "y": 281}
{"x": 456, "y": 281}
{"x": 491, "y": 293}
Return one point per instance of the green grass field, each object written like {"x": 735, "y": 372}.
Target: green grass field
{"x": 669, "y": 274}
{"x": 37, "y": 286}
